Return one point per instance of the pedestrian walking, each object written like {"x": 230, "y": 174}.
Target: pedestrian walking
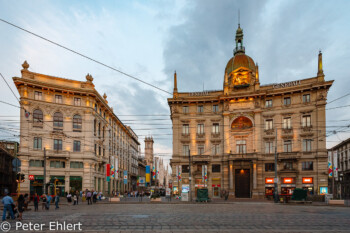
{"x": 20, "y": 206}
{"x": 57, "y": 200}
{"x": 75, "y": 198}
{"x": 36, "y": 201}
{"x": 94, "y": 197}
{"x": 88, "y": 197}
{"x": 48, "y": 201}
{"x": 77, "y": 194}
{"x": 43, "y": 204}
{"x": 7, "y": 201}
{"x": 113, "y": 193}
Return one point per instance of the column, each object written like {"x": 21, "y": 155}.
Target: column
{"x": 231, "y": 175}
{"x": 254, "y": 175}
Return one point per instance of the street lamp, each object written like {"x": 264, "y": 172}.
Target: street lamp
{"x": 189, "y": 174}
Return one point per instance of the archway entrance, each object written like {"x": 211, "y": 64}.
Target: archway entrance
{"x": 242, "y": 183}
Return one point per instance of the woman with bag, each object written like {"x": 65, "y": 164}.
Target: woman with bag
{"x": 20, "y": 206}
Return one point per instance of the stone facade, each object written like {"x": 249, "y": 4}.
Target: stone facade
{"x": 229, "y": 136}
{"x": 79, "y": 132}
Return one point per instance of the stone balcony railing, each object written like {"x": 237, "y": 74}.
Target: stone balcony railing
{"x": 269, "y": 132}
{"x": 287, "y": 131}
{"x": 215, "y": 135}
{"x": 200, "y": 135}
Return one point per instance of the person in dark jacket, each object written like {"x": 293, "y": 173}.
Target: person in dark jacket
{"x": 36, "y": 202}
{"x": 20, "y": 206}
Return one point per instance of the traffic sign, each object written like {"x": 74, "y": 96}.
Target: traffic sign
{"x": 16, "y": 162}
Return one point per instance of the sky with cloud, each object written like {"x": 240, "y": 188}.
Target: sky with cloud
{"x": 152, "y": 39}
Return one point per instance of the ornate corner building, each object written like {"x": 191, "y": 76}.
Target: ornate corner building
{"x": 229, "y": 137}
{"x": 80, "y": 134}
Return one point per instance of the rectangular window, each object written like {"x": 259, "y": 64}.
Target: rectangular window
{"x": 268, "y": 124}
{"x": 186, "y": 150}
{"x": 241, "y": 146}
{"x": 287, "y": 146}
{"x": 288, "y": 165}
{"x": 308, "y": 166}
{"x": 287, "y": 123}
{"x": 215, "y": 129}
{"x": 306, "y": 121}
{"x": 268, "y": 103}
{"x": 76, "y": 164}
{"x": 287, "y": 101}
{"x": 185, "y": 109}
{"x": 77, "y": 101}
{"x": 57, "y": 144}
{"x": 200, "y": 108}
{"x": 185, "y": 168}
{"x": 95, "y": 149}
{"x": 268, "y": 147}
{"x": 307, "y": 144}
{"x": 269, "y": 167}
{"x": 36, "y": 163}
{"x": 216, "y": 149}
{"x": 57, "y": 164}
{"x": 215, "y": 108}
{"x": 200, "y": 129}
{"x": 37, "y": 143}
{"x": 200, "y": 149}
{"x": 215, "y": 168}
{"x": 306, "y": 98}
{"x": 185, "y": 129}
{"x": 38, "y": 95}
{"x": 76, "y": 146}
{"x": 58, "y": 99}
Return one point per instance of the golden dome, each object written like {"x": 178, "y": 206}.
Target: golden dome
{"x": 240, "y": 60}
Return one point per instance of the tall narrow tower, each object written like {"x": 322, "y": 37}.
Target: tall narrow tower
{"x": 149, "y": 150}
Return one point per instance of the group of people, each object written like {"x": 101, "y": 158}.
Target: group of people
{"x": 91, "y": 196}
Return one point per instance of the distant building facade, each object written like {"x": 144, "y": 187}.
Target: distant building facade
{"x": 8, "y": 152}
{"x": 79, "y": 132}
{"x": 341, "y": 158}
{"x": 230, "y": 135}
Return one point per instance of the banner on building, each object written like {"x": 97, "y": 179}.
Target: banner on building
{"x": 335, "y": 164}
{"x": 330, "y": 167}
{"x": 179, "y": 175}
{"x": 125, "y": 177}
{"x": 116, "y": 169}
{"x": 108, "y": 171}
{"x": 204, "y": 174}
{"x": 148, "y": 174}
{"x": 112, "y": 167}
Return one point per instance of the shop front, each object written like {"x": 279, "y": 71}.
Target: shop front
{"x": 287, "y": 186}
{"x": 75, "y": 183}
{"x": 269, "y": 187}
{"x": 59, "y": 182}
{"x": 36, "y": 184}
{"x": 199, "y": 184}
{"x": 216, "y": 186}
{"x": 308, "y": 185}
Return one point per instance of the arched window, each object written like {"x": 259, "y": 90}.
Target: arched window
{"x": 38, "y": 116}
{"x": 77, "y": 121}
{"x": 58, "y": 119}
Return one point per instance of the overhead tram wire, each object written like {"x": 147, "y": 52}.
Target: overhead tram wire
{"x": 9, "y": 87}
{"x": 85, "y": 56}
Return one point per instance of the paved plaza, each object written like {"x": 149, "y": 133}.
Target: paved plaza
{"x": 199, "y": 217}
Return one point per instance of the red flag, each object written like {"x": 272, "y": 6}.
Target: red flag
{"x": 108, "y": 169}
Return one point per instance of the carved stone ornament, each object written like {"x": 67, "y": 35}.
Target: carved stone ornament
{"x": 89, "y": 78}
{"x": 227, "y": 106}
{"x": 105, "y": 96}
{"x": 25, "y": 65}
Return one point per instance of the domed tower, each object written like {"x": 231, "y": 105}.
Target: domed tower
{"x": 240, "y": 71}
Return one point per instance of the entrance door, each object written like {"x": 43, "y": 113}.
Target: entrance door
{"x": 242, "y": 183}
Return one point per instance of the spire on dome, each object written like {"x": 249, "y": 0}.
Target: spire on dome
{"x": 239, "y": 41}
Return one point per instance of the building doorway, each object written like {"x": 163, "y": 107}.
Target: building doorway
{"x": 242, "y": 183}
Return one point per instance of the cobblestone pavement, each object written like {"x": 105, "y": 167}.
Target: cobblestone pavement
{"x": 200, "y": 217}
